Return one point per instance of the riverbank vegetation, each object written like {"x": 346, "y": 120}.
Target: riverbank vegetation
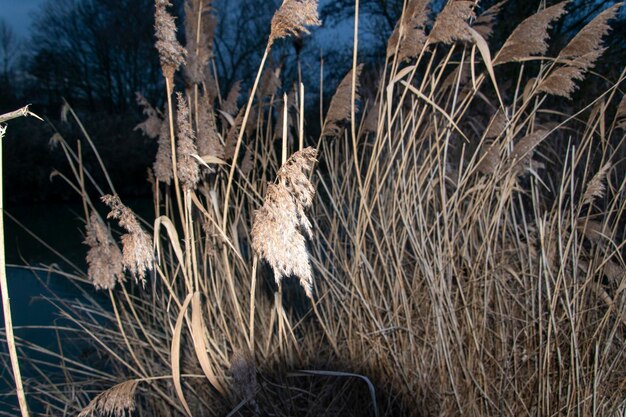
{"x": 448, "y": 241}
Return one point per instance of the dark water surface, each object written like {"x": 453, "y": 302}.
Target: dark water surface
{"x": 31, "y": 286}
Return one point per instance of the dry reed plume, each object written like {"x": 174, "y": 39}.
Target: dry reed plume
{"x": 171, "y": 53}
{"x": 292, "y": 18}
{"x": 150, "y": 127}
{"x": 208, "y": 140}
{"x": 487, "y": 19}
{"x": 341, "y": 104}
{"x": 137, "y": 256}
{"x": 116, "y": 401}
{"x": 529, "y": 37}
{"x": 188, "y": 168}
{"x": 104, "y": 259}
{"x": 163, "y": 169}
{"x": 408, "y": 37}
{"x": 277, "y": 227}
{"x": 230, "y": 104}
{"x": 452, "y": 23}
{"x": 579, "y": 55}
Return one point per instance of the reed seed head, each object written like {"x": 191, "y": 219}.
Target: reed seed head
{"x": 578, "y": 56}
{"x": 278, "y": 225}
{"x": 529, "y": 37}
{"x": 230, "y": 104}
{"x": 451, "y": 24}
{"x": 209, "y": 142}
{"x": 171, "y": 53}
{"x": 163, "y": 168}
{"x": 243, "y": 371}
{"x": 408, "y": 36}
{"x": 117, "y": 401}
{"x": 484, "y": 23}
{"x": 521, "y": 158}
{"x": 188, "y": 169}
{"x": 233, "y": 134}
{"x": 104, "y": 258}
{"x": 595, "y": 187}
{"x": 137, "y": 256}
{"x": 341, "y": 104}
{"x": 292, "y": 18}
{"x": 152, "y": 125}
{"x": 198, "y": 43}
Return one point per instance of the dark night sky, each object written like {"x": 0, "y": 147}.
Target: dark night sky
{"x": 17, "y": 14}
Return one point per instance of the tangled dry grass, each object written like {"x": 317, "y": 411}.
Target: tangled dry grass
{"x": 464, "y": 257}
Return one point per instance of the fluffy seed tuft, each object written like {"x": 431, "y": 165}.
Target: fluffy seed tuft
{"x": 579, "y": 56}
{"x": 408, "y": 36}
{"x": 171, "y": 53}
{"x": 187, "y": 168}
{"x": 595, "y": 187}
{"x": 278, "y": 225}
{"x": 292, "y": 18}
{"x": 137, "y": 255}
{"x": 451, "y": 24}
{"x": 104, "y": 258}
{"x": 341, "y": 103}
{"x": 116, "y": 401}
{"x": 529, "y": 37}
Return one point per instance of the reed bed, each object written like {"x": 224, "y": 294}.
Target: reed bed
{"x": 451, "y": 244}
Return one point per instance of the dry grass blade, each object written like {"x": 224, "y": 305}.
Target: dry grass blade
{"x": 116, "y": 401}
{"x": 482, "y": 46}
{"x": 408, "y": 37}
{"x": 198, "y": 332}
{"x": 341, "y": 104}
{"x": 595, "y": 187}
{"x": 451, "y": 24}
{"x": 174, "y": 240}
{"x": 529, "y": 37}
{"x": 278, "y": 125}
{"x": 175, "y": 354}
{"x": 579, "y": 55}
{"x": 292, "y": 18}
{"x": 23, "y": 112}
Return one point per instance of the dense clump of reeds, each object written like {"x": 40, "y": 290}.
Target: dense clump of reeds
{"x": 465, "y": 255}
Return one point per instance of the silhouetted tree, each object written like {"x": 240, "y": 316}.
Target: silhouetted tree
{"x": 9, "y": 47}
{"x": 95, "y": 53}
